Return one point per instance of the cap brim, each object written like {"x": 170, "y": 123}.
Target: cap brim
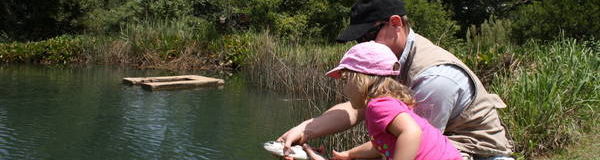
{"x": 335, "y": 73}
{"x": 353, "y": 32}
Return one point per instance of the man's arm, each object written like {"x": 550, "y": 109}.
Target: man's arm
{"x": 338, "y": 118}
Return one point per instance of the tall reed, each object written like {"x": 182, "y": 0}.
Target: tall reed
{"x": 487, "y": 49}
{"x": 179, "y": 44}
{"x": 299, "y": 70}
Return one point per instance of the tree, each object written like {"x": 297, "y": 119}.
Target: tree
{"x": 25, "y": 20}
{"x": 545, "y": 20}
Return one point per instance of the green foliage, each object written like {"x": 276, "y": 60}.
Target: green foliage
{"x": 114, "y": 16}
{"x": 289, "y": 19}
{"x": 431, "y": 20}
{"x": 476, "y": 12}
{"x": 553, "y": 98}
{"x": 292, "y": 26}
{"x": 545, "y": 20}
{"x": 25, "y": 20}
{"x": 167, "y": 39}
{"x": 4, "y": 37}
{"x": 59, "y": 50}
{"x": 107, "y": 20}
{"x": 234, "y": 48}
{"x": 488, "y": 48}
{"x": 293, "y": 18}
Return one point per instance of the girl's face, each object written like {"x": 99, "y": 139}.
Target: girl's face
{"x": 352, "y": 90}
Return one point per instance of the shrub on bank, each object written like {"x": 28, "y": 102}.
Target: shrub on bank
{"x": 487, "y": 48}
{"x": 234, "y": 49}
{"x": 58, "y": 50}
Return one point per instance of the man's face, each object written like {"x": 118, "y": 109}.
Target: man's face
{"x": 393, "y": 34}
{"x": 372, "y": 33}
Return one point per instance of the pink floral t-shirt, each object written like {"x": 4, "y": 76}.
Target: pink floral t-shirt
{"x": 379, "y": 114}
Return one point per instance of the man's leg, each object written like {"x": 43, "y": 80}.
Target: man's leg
{"x": 467, "y": 156}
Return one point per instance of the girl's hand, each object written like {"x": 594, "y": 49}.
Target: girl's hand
{"x": 340, "y": 155}
{"x": 295, "y": 135}
{"x": 312, "y": 154}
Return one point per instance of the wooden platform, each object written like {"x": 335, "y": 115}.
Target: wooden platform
{"x": 173, "y": 82}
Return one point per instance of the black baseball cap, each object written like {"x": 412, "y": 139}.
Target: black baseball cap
{"x": 365, "y": 13}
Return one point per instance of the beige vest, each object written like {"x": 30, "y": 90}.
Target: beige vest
{"x": 477, "y": 130}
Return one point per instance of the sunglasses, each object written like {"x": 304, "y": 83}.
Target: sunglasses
{"x": 371, "y": 33}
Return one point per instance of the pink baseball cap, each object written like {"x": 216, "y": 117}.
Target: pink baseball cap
{"x": 368, "y": 58}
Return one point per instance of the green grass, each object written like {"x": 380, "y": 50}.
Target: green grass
{"x": 553, "y": 97}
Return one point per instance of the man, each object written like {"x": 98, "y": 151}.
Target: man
{"x": 449, "y": 95}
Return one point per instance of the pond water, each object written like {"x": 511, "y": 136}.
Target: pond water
{"x": 87, "y": 113}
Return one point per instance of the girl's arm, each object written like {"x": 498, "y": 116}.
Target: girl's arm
{"x": 365, "y": 150}
{"x": 409, "y": 136}
{"x": 338, "y": 118}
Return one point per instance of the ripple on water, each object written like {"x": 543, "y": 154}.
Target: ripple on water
{"x": 130, "y": 123}
{"x": 7, "y": 140}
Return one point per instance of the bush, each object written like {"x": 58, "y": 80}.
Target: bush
{"x": 38, "y": 20}
{"x": 476, "y": 12}
{"x": 488, "y": 48}
{"x": 290, "y": 19}
{"x": 234, "y": 48}
{"x": 433, "y": 21}
{"x": 545, "y": 20}
{"x": 110, "y": 20}
{"x": 58, "y": 50}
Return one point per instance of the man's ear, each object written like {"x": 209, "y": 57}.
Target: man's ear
{"x": 396, "y": 21}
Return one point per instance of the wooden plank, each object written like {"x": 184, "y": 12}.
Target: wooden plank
{"x": 174, "y": 82}
{"x": 140, "y": 80}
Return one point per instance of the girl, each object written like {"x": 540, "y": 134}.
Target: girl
{"x": 368, "y": 70}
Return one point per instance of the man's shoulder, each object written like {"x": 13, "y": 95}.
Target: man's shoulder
{"x": 444, "y": 76}
{"x": 450, "y": 70}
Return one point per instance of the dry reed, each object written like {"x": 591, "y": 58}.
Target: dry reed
{"x": 300, "y": 71}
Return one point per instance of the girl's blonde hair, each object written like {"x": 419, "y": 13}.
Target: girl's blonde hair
{"x": 373, "y": 86}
